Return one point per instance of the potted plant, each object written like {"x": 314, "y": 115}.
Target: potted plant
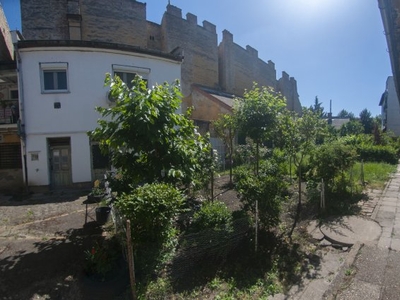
{"x": 102, "y": 212}
{"x": 97, "y": 193}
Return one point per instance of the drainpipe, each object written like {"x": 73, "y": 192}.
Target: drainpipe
{"x": 21, "y": 121}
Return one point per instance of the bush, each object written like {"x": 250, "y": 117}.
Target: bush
{"x": 152, "y": 210}
{"x": 331, "y": 159}
{"x": 375, "y": 153}
{"x": 267, "y": 190}
{"x": 212, "y": 215}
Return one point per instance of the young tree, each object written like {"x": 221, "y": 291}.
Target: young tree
{"x": 147, "y": 140}
{"x": 300, "y": 135}
{"x": 351, "y": 128}
{"x": 367, "y": 121}
{"x": 317, "y": 108}
{"x": 257, "y": 115}
{"x": 225, "y": 127}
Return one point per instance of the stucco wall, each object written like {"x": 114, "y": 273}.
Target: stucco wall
{"x": 77, "y": 115}
{"x": 393, "y": 108}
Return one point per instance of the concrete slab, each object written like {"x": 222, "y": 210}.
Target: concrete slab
{"x": 370, "y": 264}
{"x": 350, "y": 229}
{"x": 360, "y": 290}
{"x": 395, "y": 245}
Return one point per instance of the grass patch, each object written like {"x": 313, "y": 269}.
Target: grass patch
{"x": 375, "y": 174}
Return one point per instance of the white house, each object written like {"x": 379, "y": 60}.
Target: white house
{"x": 60, "y": 84}
{"x": 390, "y": 108}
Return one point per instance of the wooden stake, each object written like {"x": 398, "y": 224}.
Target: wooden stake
{"x": 131, "y": 262}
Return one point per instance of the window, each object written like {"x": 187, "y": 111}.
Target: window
{"x": 99, "y": 160}
{"x": 10, "y": 156}
{"x": 54, "y": 77}
{"x": 13, "y": 94}
{"x": 128, "y": 73}
{"x": 126, "y": 77}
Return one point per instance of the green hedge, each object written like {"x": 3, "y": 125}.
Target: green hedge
{"x": 374, "y": 153}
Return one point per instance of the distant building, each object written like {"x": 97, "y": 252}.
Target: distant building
{"x": 391, "y": 19}
{"x": 390, "y": 108}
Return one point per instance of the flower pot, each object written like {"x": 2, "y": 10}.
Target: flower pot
{"x": 102, "y": 214}
{"x": 94, "y": 198}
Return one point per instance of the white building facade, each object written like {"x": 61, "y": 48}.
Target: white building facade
{"x": 390, "y": 108}
{"x": 60, "y": 84}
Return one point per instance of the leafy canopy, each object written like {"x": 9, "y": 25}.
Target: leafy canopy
{"x": 145, "y": 136}
{"x": 257, "y": 112}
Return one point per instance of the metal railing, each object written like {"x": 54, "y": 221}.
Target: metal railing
{"x": 9, "y": 111}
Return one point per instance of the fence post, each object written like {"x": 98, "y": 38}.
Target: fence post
{"x": 131, "y": 262}
{"x": 212, "y": 174}
{"x": 322, "y": 195}
{"x": 362, "y": 173}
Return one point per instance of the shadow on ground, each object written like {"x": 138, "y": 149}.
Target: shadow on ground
{"x": 51, "y": 268}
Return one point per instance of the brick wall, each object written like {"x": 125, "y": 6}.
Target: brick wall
{"x": 42, "y": 20}
{"x": 6, "y": 47}
{"x": 199, "y": 44}
{"x": 287, "y": 86}
{"x": 116, "y": 21}
{"x": 240, "y": 67}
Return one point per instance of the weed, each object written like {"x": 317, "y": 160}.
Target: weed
{"x": 30, "y": 215}
{"x": 348, "y": 272}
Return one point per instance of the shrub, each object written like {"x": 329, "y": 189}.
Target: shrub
{"x": 212, "y": 215}
{"x": 152, "y": 210}
{"x": 267, "y": 190}
{"x": 376, "y": 153}
{"x": 331, "y": 159}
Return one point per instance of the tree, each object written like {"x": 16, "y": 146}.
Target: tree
{"x": 225, "y": 127}
{"x": 344, "y": 114}
{"x": 367, "y": 121}
{"x": 350, "y": 128}
{"x": 300, "y": 135}
{"x": 317, "y": 108}
{"x": 147, "y": 140}
{"x": 257, "y": 115}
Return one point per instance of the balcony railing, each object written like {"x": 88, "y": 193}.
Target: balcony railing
{"x": 9, "y": 111}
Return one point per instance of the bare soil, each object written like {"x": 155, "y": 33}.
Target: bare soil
{"x": 42, "y": 242}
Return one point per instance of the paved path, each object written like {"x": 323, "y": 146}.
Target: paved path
{"x": 373, "y": 272}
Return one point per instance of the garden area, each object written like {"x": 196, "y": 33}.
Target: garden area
{"x": 192, "y": 229}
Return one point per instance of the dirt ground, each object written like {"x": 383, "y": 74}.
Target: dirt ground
{"x": 42, "y": 242}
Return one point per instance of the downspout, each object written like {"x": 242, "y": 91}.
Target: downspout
{"x": 21, "y": 121}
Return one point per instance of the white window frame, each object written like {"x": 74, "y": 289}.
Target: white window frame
{"x": 143, "y": 72}
{"x": 53, "y": 67}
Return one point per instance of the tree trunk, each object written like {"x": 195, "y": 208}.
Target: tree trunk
{"x": 230, "y": 161}
{"x": 298, "y": 211}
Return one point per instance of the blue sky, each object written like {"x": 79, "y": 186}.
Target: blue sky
{"x": 336, "y": 49}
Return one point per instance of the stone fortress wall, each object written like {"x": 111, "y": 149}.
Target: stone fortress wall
{"x": 226, "y": 67}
